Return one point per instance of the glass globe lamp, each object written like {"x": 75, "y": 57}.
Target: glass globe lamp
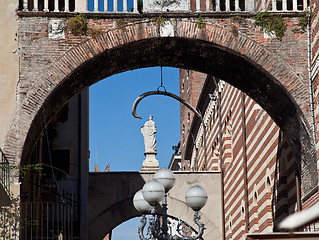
{"x": 166, "y": 178}
{"x": 153, "y": 192}
{"x": 140, "y": 204}
{"x": 196, "y": 197}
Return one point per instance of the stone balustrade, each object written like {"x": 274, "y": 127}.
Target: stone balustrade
{"x": 131, "y": 6}
{"x": 285, "y": 5}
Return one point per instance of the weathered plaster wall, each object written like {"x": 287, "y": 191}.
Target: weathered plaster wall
{"x": 9, "y": 71}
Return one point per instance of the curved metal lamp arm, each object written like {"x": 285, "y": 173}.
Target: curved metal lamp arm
{"x": 201, "y": 229}
{"x": 160, "y": 236}
{"x": 155, "y": 233}
{"x": 165, "y": 94}
{"x": 141, "y": 228}
{"x": 154, "y": 226}
{"x": 152, "y": 229}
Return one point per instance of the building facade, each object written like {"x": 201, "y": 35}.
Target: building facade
{"x": 54, "y": 180}
{"x": 256, "y": 163}
{"x": 260, "y": 179}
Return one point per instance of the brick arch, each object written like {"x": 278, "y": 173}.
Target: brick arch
{"x": 239, "y": 61}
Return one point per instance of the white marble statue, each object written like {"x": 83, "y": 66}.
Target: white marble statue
{"x": 148, "y": 131}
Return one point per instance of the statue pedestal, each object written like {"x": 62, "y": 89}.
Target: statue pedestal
{"x": 150, "y": 163}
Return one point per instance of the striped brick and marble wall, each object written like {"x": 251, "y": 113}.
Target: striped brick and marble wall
{"x": 270, "y": 165}
{"x": 315, "y": 59}
{"x": 314, "y": 34}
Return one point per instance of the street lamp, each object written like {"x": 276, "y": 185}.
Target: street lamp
{"x": 155, "y": 191}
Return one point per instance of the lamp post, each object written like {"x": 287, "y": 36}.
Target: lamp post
{"x": 155, "y": 191}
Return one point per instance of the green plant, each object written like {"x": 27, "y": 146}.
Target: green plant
{"x": 13, "y": 223}
{"x": 78, "y": 25}
{"x": 271, "y": 24}
{"x": 200, "y": 22}
{"x": 20, "y": 171}
{"x": 303, "y": 22}
{"x": 9, "y": 229}
{"x": 159, "y": 21}
{"x": 93, "y": 32}
{"x": 237, "y": 19}
{"x": 120, "y": 23}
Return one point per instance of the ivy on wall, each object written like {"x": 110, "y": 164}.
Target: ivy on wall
{"x": 303, "y": 22}
{"x": 78, "y": 26}
{"x": 271, "y": 24}
{"x": 200, "y": 22}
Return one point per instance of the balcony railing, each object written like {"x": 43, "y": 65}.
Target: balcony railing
{"x": 4, "y": 172}
{"x": 131, "y": 6}
{"x": 47, "y": 220}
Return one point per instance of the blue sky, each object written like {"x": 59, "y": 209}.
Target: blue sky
{"x": 115, "y": 136}
{"x": 110, "y": 5}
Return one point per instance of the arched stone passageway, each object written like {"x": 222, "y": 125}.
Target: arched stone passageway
{"x": 238, "y": 60}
